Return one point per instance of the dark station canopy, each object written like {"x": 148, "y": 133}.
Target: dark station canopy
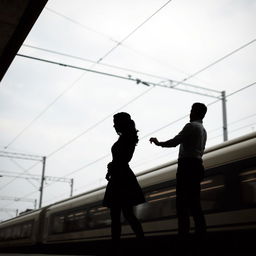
{"x": 17, "y": 17}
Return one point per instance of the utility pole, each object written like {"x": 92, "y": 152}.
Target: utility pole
{"x": 71, "y": 186}
{"x": 224, "y": 115}
{"x": 42, "y": 183}
{"x": 31, "y": 158}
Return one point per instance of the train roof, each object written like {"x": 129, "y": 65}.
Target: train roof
{"x": 245, "y": 138}
{"x": 232, "y": 150}
{"x": 21, "y": 218}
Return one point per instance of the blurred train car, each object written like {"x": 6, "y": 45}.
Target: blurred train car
{"x": 23, "y": 230}
{"x": 228, "y": 199}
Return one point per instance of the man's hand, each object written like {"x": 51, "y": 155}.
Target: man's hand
{"x": 154, "y": 140}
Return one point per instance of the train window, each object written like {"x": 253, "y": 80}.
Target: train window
{"x": 212, "y": 190}
{"x": 18, "y": 231}
{"x": 2, "y": 234}
{"x": 76, "y": 220}
{"x": 81, "y": 219}
{"x": 98, "y": 217}
{"x": 160, "y": 203}
{"x": 8, "y": 233}
{"x": 69, "y": 222}
{"x": 57, "y": 224}
{"x": 26, "y": 230}
{"x": 247, "y": 180}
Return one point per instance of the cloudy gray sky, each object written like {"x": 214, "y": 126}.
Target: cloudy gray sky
{"x": 65, "y": 114}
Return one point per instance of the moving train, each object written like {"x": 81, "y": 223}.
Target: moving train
{"x": 228, "y": 196}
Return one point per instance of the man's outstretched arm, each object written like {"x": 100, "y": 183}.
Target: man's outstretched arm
{"x": 178, "y": 139}
{"x": 166, "y": 144}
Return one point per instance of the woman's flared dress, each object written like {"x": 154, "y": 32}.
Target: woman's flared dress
{"x": 123, "y": 188}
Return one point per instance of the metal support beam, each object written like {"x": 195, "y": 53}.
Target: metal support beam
{"x": 7, "y": 210}
{"x": 224, "y": 115}
{"x": 29, "y": 177}
{"x": 168, "y": 84}
{"x": 71, "y": 187}
{"x": 21, "y": 199}
{"x": 42, "y": 183}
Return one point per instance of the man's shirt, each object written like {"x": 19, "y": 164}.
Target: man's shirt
{"x": 192, "y": 140}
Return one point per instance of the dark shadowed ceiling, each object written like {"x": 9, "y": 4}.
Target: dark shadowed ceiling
{"x": 17, "y": 17}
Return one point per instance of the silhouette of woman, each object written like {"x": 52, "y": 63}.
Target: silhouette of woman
{"x": 123, "y": 191}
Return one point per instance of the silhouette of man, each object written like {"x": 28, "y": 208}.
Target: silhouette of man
{"x": 192, "y": 140}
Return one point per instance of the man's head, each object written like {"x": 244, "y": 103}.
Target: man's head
{"x": 198, "y": 111}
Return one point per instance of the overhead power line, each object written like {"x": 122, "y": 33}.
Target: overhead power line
{"x": 241, "y": 89}
{"x": 117, "y": 67}
{"x": 130, "y": 78}
{"x": 145, "y": 136}
{"x": 19, "y": 199}
{"x": 125, "y": 38}
{"x": 232, "y": 123}
{"x": 99, "y": 60}
{"x": 99, "y": 122}
{"x": 20, "y": 156}
{"x": 181, "y": 118}
{"x": 217, "y": 61}
{"x": 136, "y": 29}
{"x": 80, "y": 24}
{"x": 176, "y": 84}
{"x": 103, "y": 35}
{"x": 165, "y": 126}
{"x": 171, "y": 85}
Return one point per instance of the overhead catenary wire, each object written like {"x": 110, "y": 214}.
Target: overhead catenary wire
{"x": 217, "y": 61}
{"x": 147, "y": 83}
{"x": 135, "y": 30}
{"x": 233, "y": 122}
{"x": 196, "y": 73}
{"x": 175, "y": 85}
{"x": 162, "y": 155}
{"x": 237, "y": 129}
{"x": 211, "y": 103}
{"x": 112, "y": 66}
{"x": 130, "y": 78}
{"x": 163, "y": 127}
{"x": 105, "y": 36}
{"x": 147, "y": 135}
{"x": 80, "y": 24}
{"x": 99, "y": 122}
{"x": 75, "y": 22}
{"x": 81, "y": 134}
{"x": 79, "y": 78}
{"x": 75, "y": 82}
